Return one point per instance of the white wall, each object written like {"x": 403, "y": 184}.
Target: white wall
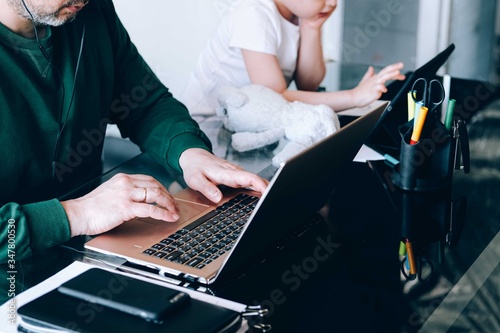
{"x": 472, "y": 30}
{"x": 170, "y": 34}
{"x": 469, "y": 25}
{"x": 380, "y": 32}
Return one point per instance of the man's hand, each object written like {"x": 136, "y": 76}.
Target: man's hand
{"x": 203, "y": 171}
{"x": 120, "y": 199}
{"x": 125, "y": 197}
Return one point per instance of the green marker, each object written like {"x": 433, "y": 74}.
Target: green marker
{"x": 449, "y": 114}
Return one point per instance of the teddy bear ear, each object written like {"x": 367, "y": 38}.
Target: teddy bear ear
{"x": 231, "y": 97}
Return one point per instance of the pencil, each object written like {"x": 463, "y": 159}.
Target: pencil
{"x": 411, "y": 258}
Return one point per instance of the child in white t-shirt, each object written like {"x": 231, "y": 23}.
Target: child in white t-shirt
{"x": 271, "y": 43}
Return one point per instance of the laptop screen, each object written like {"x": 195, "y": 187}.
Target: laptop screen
{"x": 385, "y": 138}
{"x": 301, "y": 187}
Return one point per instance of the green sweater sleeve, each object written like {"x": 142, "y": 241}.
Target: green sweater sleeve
{"x": 143, "y": 107}
{"x": 26, "y": 229}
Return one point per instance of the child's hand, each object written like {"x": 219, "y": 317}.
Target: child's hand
{"x": 372, "y": 86}
{"x": 317, "y": 21}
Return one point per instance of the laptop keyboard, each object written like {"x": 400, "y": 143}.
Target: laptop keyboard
{"x": 209, "y": 237}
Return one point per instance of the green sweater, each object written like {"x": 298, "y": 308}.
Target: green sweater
{"x": 113, "y": 85}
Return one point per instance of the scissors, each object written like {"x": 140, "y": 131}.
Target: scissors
{"x": 425, "y": 269}
{"x": 431, "y": 96}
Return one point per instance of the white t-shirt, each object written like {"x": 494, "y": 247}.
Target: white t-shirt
{"x": 254, "y": 25}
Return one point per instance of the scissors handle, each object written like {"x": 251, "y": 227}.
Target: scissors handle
{"x": 425, "y": 92}
{"x": 435, "y": 89}
{"x": 419, "y": 95}
{"x": 408, "y": 276}
{"x": 425, "y": 269}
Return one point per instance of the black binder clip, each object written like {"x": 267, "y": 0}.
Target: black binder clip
{"x": 254, "y": 315}
{"x": 255, "y": 310}
{"x": 456, "y": 221}
{"x": 461, "y": 146}
{"x": 461, "y": 160}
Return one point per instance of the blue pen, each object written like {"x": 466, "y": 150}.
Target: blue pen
{"x": 418, "y": 106}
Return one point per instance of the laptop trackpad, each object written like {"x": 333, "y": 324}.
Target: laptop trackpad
{"x": 187, "y": 210}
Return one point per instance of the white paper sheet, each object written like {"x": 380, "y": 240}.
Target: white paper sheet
{"x": 366, "y": 153}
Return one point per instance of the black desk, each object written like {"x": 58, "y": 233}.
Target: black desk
{"x": 343, "y": 274}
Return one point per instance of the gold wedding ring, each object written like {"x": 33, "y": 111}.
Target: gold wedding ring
{"x": 145, "y": 195}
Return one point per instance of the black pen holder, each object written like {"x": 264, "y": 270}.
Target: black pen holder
{"x": 427, "y": 164}
{"x": 425, "y": 215}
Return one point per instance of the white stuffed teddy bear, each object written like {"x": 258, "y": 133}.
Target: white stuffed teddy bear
{"x": 259, "y": 117}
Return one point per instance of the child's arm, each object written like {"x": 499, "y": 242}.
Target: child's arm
{"x": 264, "y": 69}
{"x": 310, "y": 70}
{"x": 370, "y": 88}
{"x": 311, "y": 67}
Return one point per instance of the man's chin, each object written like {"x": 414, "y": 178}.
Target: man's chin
{"x": 56, "y": 22}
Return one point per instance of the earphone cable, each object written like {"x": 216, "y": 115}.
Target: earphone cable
{"x": 40, "y": 46}
{"x": 62, "y": 123}
{"x": 61, "y": 115}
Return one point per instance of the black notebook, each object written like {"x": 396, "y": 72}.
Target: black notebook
{"x": 56, "y": 311}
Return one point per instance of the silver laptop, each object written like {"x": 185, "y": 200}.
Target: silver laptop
{"x": 211, "y": 240}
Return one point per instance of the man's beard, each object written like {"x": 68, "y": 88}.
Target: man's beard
{"x": 41, "y": 16}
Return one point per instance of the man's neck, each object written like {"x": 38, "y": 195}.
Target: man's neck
{"x": 16, "y": 23}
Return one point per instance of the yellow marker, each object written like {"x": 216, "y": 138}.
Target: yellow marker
{"x": 417, "y": 130}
